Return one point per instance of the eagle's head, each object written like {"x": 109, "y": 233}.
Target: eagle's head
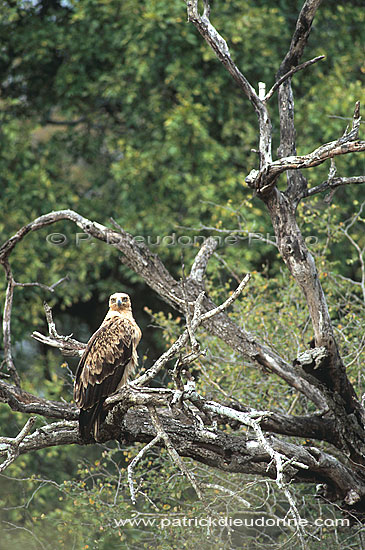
{"x": 119, "y": 302}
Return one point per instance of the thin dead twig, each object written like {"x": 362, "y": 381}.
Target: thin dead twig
{"x": 172, "y": 451}
{"x": 11, "y": 445}
{"x": 196, "y": 321}
{"x": 134, "y": 462}
{"x": 290, "y": 73}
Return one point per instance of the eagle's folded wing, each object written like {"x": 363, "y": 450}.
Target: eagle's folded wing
{"x": 104, "y": 365}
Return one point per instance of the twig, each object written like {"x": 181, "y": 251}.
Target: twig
{"x": 264, "y": 180}
{"x": 227, "y": 267}
{"x": 29, "y": 532}
{"x": 11, "y": 445}
{"x": 220, "y": 48}
{"x": 290, "y": 73}
{"x": 172, "y": 451}
{"x": 344, "y": 118}
{"x": 360, "y": 251}
{"x": 334, "y": 183}
{"x": 41, "y": 285}
{"x": 194, "y": 342}
{"x": 229, "y": 300}
{"x": 66, "y": 344}
{"x": 134, "y": 462}
{"x": 252, "y": 420}
{"x": 8, "y": 357}
{"x": 233, "y": 494}
{"x": 178, "y": 345}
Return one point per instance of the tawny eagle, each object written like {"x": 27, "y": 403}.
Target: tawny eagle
{"x": 109, "y": 359}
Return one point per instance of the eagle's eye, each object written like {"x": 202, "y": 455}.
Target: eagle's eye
{"x": 125, "y": 299}
{"x": 112, "y": 300}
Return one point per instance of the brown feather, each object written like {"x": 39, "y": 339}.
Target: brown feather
{"x": 107, "y": 362}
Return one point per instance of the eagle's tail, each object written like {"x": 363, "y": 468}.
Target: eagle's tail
{"x": 90, "y": 421}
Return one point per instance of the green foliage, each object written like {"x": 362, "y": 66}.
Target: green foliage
{"x": 158, "y": 137}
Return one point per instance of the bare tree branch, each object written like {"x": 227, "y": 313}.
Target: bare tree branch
{"x": 10, "y": 445}
{"x": 172, "y": 451}
{"x": 232, "y": 494}
{"x": 230, "y": 453}
{"x": 41, "y": 285}
{"x": 66, "y": 344}
{"x": 312, "y": 427}
{"x": 134, "y": 462}
{"x": 282, "y": 206}
{"x": 22, "y": 401}
{"x": 290, "y": 73}
{"x": 220, "y": 48}
{"x": 295, "y": 180}
{"x": 229, "y": 300}
{"x": 301, "y": 34}
{"x": 301, "y": 264}
{"x": 264, "y": 180}
{"x": 200, "y": 263}
{"x": 197, "y": 319}
{"x": 174, "y": 349}
{"x": 334, "y": 183}
{"x": 8, "y": 356}
{"x": 185, "y": 439}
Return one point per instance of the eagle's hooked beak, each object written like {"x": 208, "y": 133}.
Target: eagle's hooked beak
{"x": 119, "y": 302}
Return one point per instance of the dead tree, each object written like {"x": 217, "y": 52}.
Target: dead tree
{"x": 178, "y": 417}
